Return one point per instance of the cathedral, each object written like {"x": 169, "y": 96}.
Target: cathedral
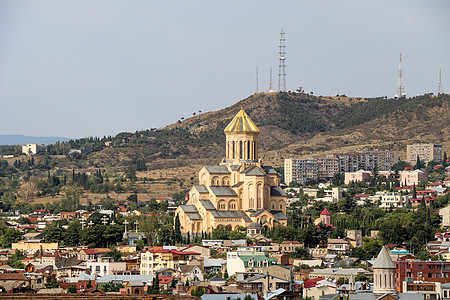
{"x": 237, "y": 192}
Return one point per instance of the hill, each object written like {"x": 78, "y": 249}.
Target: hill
{"x": 291, "y": 125}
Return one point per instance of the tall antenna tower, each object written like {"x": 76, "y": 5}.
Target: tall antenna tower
{"x": 270, "y": 81}
{"x": 257, "y": 83}
{"x": 440, "y": 84}
{"x": 400, "y": 87}
{"x": 282, "y": 64}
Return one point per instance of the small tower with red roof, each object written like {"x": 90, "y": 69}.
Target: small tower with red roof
{"x": 325, "y": 217}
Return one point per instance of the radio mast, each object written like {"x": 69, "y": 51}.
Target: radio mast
{"x": 400, "y": 87}
{"x": 282, "y": 64}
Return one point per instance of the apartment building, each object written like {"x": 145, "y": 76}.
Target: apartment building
{"x": 302, "y": 170}
{"x": 417, "y": 270}
{"x": 155, "y": 260}
{"x": 426, "y": 153}
{"x": 411, "y": 177}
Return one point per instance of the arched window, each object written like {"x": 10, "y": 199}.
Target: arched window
{"x": 221, "y": 205}
{"x": 234, "y": 149}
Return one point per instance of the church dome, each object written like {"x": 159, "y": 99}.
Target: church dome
{"x": 241, "y": 123}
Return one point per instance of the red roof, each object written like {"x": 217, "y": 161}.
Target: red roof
{"x": 325, "y": 212}
{"x": 176, "y": 252}
{"x": 312, "y": 282}
{"x": 165, "y": 279}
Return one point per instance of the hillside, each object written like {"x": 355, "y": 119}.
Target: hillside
{"x": 291, "y": 125}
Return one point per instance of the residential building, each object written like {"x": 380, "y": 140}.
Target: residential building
{"x": 392, "y": 199}
{"x": 153, "y": 260}
{"x": 242, "y": 261}
{"x": 412, "y": 177}
{"x": 357, "y": 176}
{"x": 32, "y": 149}
{"x": 445, "y": 214}
{"x": 429, "y": 290}
{"x": 338, "y": 246}
{"x": 426, "y": 153}
{"x": 289, "y": 246}
{"x": 430, "y": 271}
{"x": 300, "y": 170}
{"x": 106, "y": 266}
{"x": 238, "y": 191}
{"x": 318, "y": 287}
{"x": 263, "y": 283}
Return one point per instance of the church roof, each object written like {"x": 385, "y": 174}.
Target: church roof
{"x": 194, "y": 216}
{"x": 207, "y": 204}
{"x": 217, "y": 169}
{"x": 258, "y": 212}
{"x": 384, "y": 260}
{"x": 277, "y": 191}
{"x": 241, "y": 123}
{"x": 238, "y": 184}
{"x": 222, "y": 191}
{"x": 189, "y": 208}
{"x": 230, "y": 214}
{"x": 253, "y": 171}
{"x": 269, "y": 170}
{"x": 235, "y": 167}
{"x": 201, "y": 189}
{"x": 278, "y": 214}
{"x": 254, "y": 226}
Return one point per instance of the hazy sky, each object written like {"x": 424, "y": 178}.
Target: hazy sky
{"x": 93, "y": 68}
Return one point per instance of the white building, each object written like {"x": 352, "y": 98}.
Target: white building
{"x": 105, "y": 266}
{"x": 393, "y": 199}
{"x": 32, "y": 149}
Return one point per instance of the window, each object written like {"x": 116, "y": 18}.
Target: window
{"x": 97, "y": 269}
{"x": 420, "y": 267}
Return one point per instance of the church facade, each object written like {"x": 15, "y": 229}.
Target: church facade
{"x": 237, "y": 192}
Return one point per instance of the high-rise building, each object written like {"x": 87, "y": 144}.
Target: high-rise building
{"x": 426, "y": 153}
{"x": 305, "y": 169}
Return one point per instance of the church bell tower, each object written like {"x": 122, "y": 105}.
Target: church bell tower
{"x": 242, "y": 140}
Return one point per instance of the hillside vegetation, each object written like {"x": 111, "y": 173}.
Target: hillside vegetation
{"x": 291, "y": 124}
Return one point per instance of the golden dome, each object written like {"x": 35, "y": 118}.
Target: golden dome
{"x": 241, "y": 123}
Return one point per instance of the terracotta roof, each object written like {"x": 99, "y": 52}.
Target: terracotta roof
{"x": 12, "y": 276}
{"x": 325, "y": 212}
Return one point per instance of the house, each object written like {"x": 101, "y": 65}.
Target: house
{"x": 105, "y": 266}
{"x": 92, "y": 254}
{"x": 213, "y": 265}
{"x": 13, "y": 280}
{"x": 284, "y": 272}
{"x": 69, "y": 215}
{"x": 355, "y": 237}
{"x": 289, "y": 246}
{"x": 204, "y": 251}
{"x": 216, "y": 281}
{"x": 281, "y": 294}
{"x": 360, "y": 175}
{"x": 412, "y": 177}
{"x": 317, "y": 287}
{"x": 191, "y": 273}
{"x": 135, "y": 287}
{"x": 241, "y": 261}
{"x": 152, "y": 260}
{"x": 338, "y": 246}
{"x": 33, "y": 149}
{"x": 263, "y": 283}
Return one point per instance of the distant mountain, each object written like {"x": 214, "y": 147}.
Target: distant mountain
{"x": 17, "y": 139}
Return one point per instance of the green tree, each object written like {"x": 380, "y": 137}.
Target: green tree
{"x": 177, "y": 230}
{"x": 71, "y": 236}
{"x": 198, "y": 292}
{"x": 10, "y": 236}
{"x": 72, "y": 289}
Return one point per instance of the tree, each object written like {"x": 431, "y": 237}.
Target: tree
{"x": 71, "y": 236}
{"x": 72, "y": 289}
{"x": 300, "y": 253}
{"x": 414, "y": 192}
{"x": 177, "y": 230}
{"x": 10, "y": 236}
{"x": 198, "y": 292}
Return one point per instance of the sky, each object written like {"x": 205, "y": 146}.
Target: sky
{"x": 78, "y": 68}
